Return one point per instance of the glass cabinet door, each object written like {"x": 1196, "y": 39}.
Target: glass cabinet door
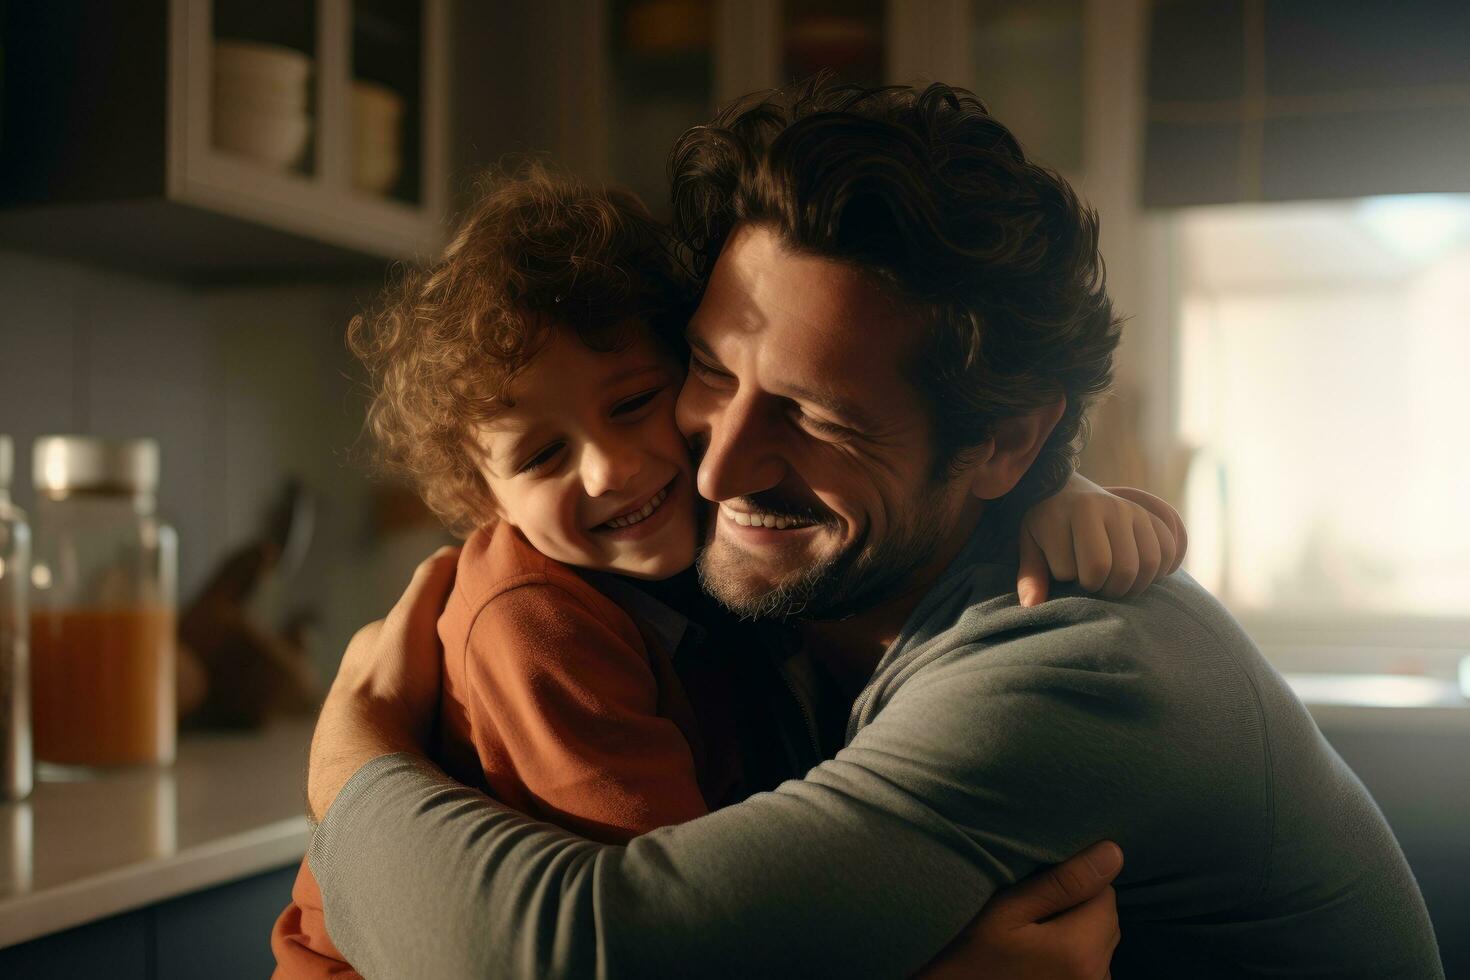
{"x": 660, "y": 74}
{"x": 1027, "y": 65}
{"x": 846, "y": 36}
{"x": 386, "y": 121}
{"x": 264, "y": 105}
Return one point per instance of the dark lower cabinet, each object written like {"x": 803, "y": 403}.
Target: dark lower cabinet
{"x": 116, "y": 947}
{"x": 1421, "y": 781}
{"x": 221, "y": 933}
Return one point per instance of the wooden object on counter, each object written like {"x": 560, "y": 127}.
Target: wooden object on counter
{"x": 240, "y": 674}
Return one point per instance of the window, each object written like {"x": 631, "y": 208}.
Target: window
{"x": 1322, "y": 387}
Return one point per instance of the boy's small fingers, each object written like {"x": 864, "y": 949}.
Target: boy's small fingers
{"x": 1093, "y": 554}
{"x": 1150, "y": 556}
{"x": 1055, "y": 544}
{"x": 1168, "y": 548}
{"x": 1181, "y": 544}
{"x": 1034, "y": 580}
{"x": 1124, "y": 571}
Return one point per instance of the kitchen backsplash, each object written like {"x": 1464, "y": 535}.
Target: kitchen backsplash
{"x": 241, "y": 386}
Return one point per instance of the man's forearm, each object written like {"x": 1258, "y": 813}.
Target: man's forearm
{"x": 804, "y": 881}
{"x": 346, "y": 739}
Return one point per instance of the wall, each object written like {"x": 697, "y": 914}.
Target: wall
{"x": 241, "y": 387}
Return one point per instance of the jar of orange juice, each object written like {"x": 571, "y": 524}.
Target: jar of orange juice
{"x": 103, "y": 581}
{"x": 15, "y": 699}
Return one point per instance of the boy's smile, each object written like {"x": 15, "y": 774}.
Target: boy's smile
{"x": 586, "y": 461}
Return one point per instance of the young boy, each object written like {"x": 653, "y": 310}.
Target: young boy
{"x": 526, "y": 383}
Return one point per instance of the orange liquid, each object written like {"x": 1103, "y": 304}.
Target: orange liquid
{"x": 102, "y": 686}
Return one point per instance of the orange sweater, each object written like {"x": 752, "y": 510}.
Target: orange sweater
{"x": 556, "y": 702}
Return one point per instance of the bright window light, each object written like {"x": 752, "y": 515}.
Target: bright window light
{"x": 1324, "y": 386}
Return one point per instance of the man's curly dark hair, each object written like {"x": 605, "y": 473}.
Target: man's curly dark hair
{"x": 933, "y": 196}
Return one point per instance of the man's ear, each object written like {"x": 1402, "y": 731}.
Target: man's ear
{"x": 1012, "y": 448}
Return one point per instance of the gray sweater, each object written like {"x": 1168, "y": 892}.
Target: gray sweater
{"x": 991, "y": 740}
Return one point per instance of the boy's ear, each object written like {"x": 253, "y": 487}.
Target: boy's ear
{"x": 1013, "y": 446}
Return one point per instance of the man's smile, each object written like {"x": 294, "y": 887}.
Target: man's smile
{"x": 762, "y": 519}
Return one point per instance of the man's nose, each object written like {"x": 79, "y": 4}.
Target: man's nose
{"x": 743, "y": 453}
{"x": 608, "y": 468}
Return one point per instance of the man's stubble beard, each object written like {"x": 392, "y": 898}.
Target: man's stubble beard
{"x": 852, "y": 580}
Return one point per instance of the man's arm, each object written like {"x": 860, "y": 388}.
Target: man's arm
{"x": 867, "y": 867}
{"x": 387, "y": 687}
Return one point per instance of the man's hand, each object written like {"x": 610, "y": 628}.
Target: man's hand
{"x": 387, "y": 688}
{"x": 1059, "y": 924}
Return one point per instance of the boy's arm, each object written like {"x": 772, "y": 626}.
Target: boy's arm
{"x": 572, "y": 705}
{"x": 299, "y": 940}
{"x": 1116, "y": 541}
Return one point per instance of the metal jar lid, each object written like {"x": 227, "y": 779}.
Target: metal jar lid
{"x": 63, "y": 464}
{"x": 7, "y": 461}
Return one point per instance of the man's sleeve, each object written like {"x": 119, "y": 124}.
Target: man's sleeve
{"x": 966, "y": 780}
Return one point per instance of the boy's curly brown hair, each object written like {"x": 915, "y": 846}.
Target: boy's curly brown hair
{"x": 537, "y": 251}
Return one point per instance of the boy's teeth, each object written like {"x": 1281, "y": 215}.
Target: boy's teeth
{"x": 641, "y": 515}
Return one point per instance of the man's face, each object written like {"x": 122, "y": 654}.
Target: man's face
{"x": 811, "y": 438}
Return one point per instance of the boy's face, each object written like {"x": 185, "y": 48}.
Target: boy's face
{"x": 589, "y": 465}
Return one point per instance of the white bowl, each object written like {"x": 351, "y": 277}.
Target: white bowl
{"x": 380, "y": 138}
{"x": 272, "y": 64}
{"x": 374, "y": 104}
{"x": 239, "y": 92}
{"x": 274, "y": 139}
{"x": 375, "y": 172}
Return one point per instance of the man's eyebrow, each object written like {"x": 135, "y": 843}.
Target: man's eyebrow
{"x": 847, "y": 413}
{"x": 828, "y": 402}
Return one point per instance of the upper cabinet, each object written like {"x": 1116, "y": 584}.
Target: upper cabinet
{"x": 660, "y": 58}
{"x": 652, "y": 68}
{"x": 1280, "y": 100}
{"x": 225, "y": 139}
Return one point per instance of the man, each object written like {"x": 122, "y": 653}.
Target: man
{"x": 902, "y": 324}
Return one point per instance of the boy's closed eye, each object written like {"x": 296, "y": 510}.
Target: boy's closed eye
{"x": 626, "y": 410}
{"x": 542, "y": 459}
{"x": 630, "y": 406}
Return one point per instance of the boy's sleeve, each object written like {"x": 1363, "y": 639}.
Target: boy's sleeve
{"x": 574, "y": 706}
{"x": 299, "y": 940}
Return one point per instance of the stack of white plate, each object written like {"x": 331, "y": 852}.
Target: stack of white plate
{"x": 377, "y": 137}
{"x": 262, "y": 102}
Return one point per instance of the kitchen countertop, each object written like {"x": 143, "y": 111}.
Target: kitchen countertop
{"x": 232, "y": 805}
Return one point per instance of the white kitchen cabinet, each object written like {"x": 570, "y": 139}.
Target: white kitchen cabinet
{"x": 116, "y": 150}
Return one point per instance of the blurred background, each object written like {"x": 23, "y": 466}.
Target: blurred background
{"x": 196, "y": 195}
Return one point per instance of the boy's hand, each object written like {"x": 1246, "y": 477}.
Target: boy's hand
{"x": 1059, "y": 924}
{"x": 1117, "y": 541}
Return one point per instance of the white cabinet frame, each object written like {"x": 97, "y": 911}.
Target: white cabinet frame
{"x": 322, "y": 205}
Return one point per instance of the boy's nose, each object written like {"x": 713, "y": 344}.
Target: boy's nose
{"x": 607, "y": 470}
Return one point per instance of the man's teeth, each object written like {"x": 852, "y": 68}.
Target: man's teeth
{"x": 628, "y": 520}
{"x": 762, "y": 520}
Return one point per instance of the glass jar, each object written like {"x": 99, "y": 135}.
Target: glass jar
{"x": 103, "y": 606}
{"x": 15, "y": 716}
